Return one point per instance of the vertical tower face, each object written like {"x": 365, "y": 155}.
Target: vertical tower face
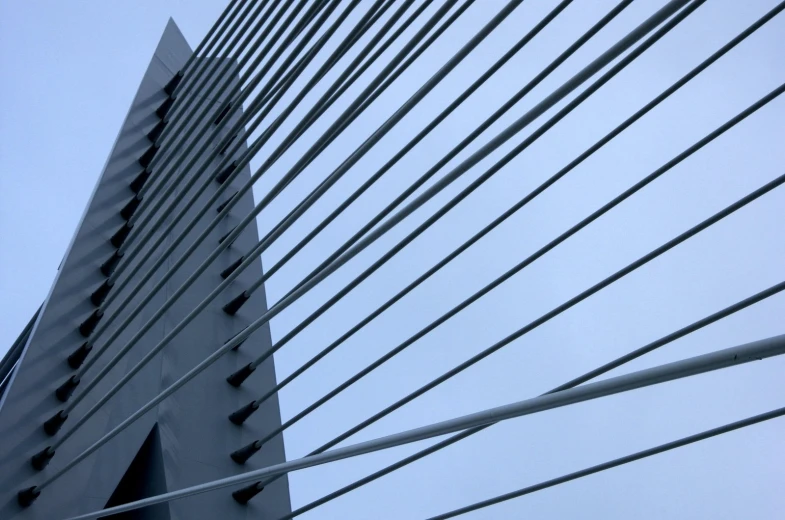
{"x": 187, "y": 438}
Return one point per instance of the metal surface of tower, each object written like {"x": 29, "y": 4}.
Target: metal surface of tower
{"x": 185, "y": 439}
{"x": 145, "y": 387}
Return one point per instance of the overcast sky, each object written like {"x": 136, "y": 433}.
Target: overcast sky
{"x": 70, "y": 70}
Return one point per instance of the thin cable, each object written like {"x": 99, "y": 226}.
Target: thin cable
{"x": 189, "y": 98}
{"x": 312, "y": 154}
{"x": 616, "y": 462}
{"x": 436, "y": 121}
{"x": 485, "y": 176}
{"x": 260, "y": 101}
{"x": 211, "y": 258}
{"x": 347, "y": 251}
{"x": 624, "y": 43}
{"x": 228, "y": 66}
{"x": 18, "y": 345}
{"x": 170, "y": 162}
{"x": 401, "y": 153}
{"x": 173, "y": 269}
{"x": 7, "y": 376}
{"x": 708, "y": 320}
{"x": 142, "y": 305}
{"x": 315, "y": 194}
{"x": 218, "y": 67}
{"x": 725, "y": 358}
{"x": 196, "y": 370}
{"x": 153, "y": 188}
{"x": 138, "y": 226}
{"x": 520, "y": 204}
{"x": 144, "y": 360}
{"x": 185, "y": 118}
{"x": 160, "y": 260}
{"x": 464, "y": 166}
{"x": 116, "y": 358}
{"x": 556, "y": 311}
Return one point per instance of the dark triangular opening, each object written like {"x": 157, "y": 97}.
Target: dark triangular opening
{"x": 144, "y": 478}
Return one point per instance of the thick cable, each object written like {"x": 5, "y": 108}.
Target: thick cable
{"x": 556, "y": 311}
{"x": 331, "y": 179}
{"x": 134, "y": 237}
{"x": 346, "y": 251}
{"x": 434, "y": 123}
{"x": 520, "y": 204}
{"x": 161, "y": 282}
{"x": 459, "y": 170}
{"x": 708, "y": 320}
{"x": 217, "y": 251}
{"x": 215, "y": 66}
{"x": 266, "y": 99}
{"x": 186, "y": 116}
{"x": 142, "y": 304}
{"x": 625, "y": 42}
{"x": 725, "y": 358}
{"x": 160, "y": 260}
{"x": 193, "y": 372}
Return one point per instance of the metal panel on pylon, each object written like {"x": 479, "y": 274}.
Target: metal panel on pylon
{"x": 193, "y": 433}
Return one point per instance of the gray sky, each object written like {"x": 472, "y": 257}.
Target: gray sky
{"x": 71, "y": 69}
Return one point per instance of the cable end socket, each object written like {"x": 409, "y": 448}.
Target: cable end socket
{"x": 223, "y": 238}
{"x": 137, "y": 184}
{"x": 164, "y": 108}
{"x": 41, "y": 459}
{"x": 65, "y": 390}
{"x": 221, "y": 178}
{"x": 241, "y": 375}
{"x": 171, "y": 86}
{"x": 241, "y": 342}
{"x": 225, "y": 203}
{"x": 242, "y": 496}
{"x": 226, "y": 146}
{"x": 229, "y": 270}
{"x": 88, "y": 326}
{"x": 54, "y": 423}
{"x": 147, "y": 156}
{"x": 238, "y": 417}
{"x": 108, "y": 267}
{"x": 154, "y": 134}
{"x": 119, "y": 237}
{"x": 100, "y": 294}
{"x": 233, "y": 306}
{"x": 28, "y": 496}
{"x": 129, "y": 209}
{"x": 222, "y": 114}
{"x": 246, "y": 452}
{"x": 78, "y": 356}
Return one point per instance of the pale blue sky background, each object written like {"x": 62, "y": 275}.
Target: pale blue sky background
{"x": 70, "y": 69}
